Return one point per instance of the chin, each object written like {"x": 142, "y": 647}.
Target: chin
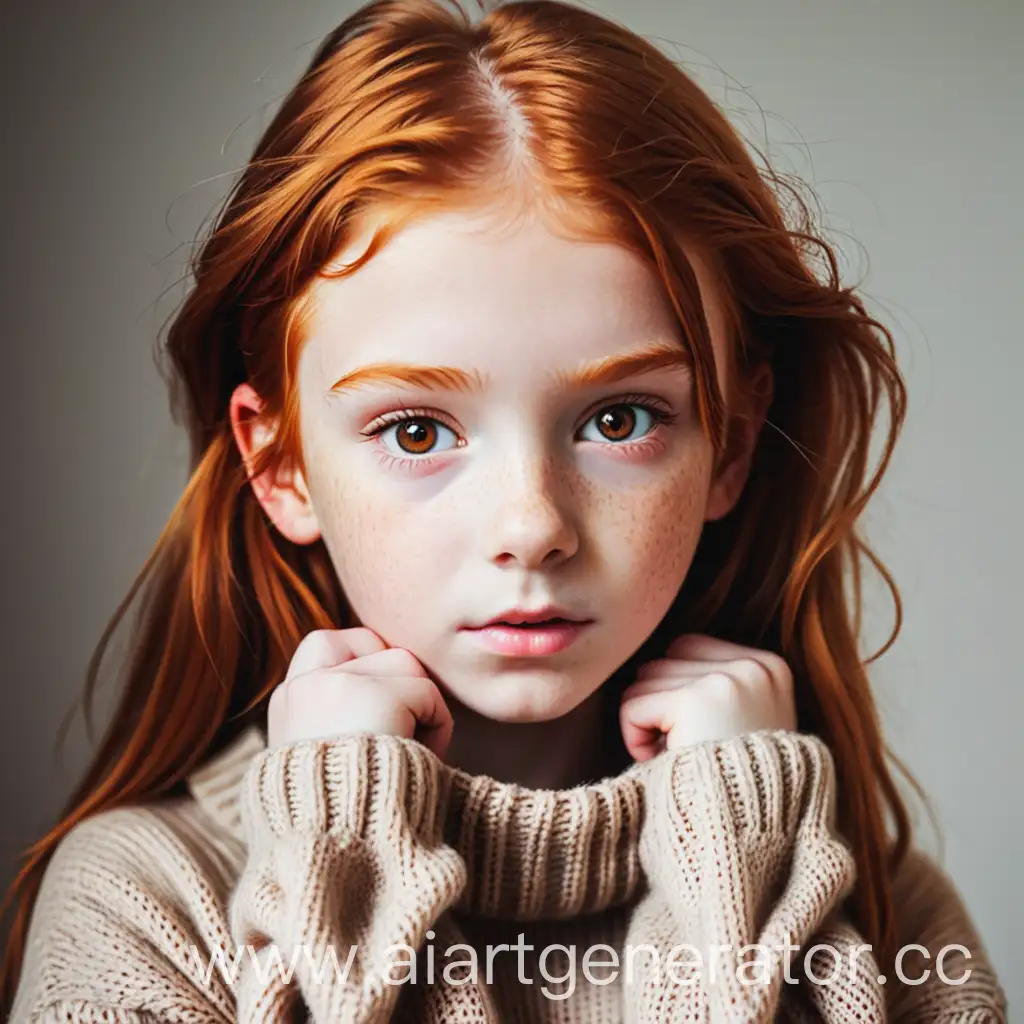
{"x": 522, "y": 697}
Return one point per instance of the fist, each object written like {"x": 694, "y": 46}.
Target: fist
{"x": 345, "y": 681}
{"x": 705, "y": 689}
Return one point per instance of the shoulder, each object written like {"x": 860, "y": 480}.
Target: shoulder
{"x": 134, "y": 903}
{"x": 928, "y": 905}
{"x": 950, "y": 977}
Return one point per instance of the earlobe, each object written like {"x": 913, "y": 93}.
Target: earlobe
{"x": 285, "y": 499}
{"x": 281, "y": 491}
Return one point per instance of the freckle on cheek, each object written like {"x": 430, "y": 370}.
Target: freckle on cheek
{"x": 665, "y": 540}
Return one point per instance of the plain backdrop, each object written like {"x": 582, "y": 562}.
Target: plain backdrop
{"x": 123, "y": 123}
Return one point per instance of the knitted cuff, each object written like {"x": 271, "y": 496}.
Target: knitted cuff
{"x": 358, "y": 786}
{"x": 741, "y": 807}
{"x": 345, "y": 858}
{"x": 770, "y": 781}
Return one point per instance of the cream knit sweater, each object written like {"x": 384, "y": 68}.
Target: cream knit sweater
{"x": 359, "y": 843}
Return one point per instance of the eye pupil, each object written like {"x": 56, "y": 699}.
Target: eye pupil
{"x": 420, "y": 435}
{"x": 620, "y": 419}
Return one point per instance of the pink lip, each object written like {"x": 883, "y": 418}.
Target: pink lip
{"x": 529, "y": 641}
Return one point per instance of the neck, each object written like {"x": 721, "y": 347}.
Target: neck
{"x": 556, "y": 754}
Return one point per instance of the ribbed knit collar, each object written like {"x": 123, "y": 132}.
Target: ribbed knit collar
{"x": 530, "y": 853}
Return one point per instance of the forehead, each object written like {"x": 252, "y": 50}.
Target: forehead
{"x": 460, "y": 289}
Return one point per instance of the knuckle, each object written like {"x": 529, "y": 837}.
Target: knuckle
{"x": 720, "y": 681}
{"x": 753, "y": 671}
{"x": 722, "y": 686}
{"x": 406, "y": 662}
{"x": 317, "y": 641}
{"x": 365, "y": 634}
{"x": 780, "y": 670}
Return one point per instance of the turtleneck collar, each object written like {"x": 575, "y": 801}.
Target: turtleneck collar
{"x": 530, "y": 853}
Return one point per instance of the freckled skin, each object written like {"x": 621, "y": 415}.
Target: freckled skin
{"x": 523, "y": 513}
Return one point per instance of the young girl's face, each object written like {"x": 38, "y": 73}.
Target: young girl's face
{"x": 443, "y": 507}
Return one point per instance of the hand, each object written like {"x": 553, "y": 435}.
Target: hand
{"x": 706, "y": 689}
{"x": 344, "y": 681}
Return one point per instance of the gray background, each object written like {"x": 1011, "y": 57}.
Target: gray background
{"x": 123, "y": 122}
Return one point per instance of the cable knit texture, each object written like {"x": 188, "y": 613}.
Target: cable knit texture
{"x": 361, "y": 879}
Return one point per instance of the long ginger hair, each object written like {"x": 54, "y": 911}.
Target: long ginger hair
{"x": 410, "y": 107}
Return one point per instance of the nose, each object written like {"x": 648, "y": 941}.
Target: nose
{"x": 531, "y": 523}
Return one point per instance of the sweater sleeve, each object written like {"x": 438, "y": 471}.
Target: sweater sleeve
{"x": 951, "y": 979}
{"x": 129, "y": 911}
{"x": 148, "y": 915}
{"x": 741, "y": 844}
{"x": 346, "y": 872}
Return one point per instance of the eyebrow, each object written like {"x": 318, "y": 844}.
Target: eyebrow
{"x": 658, "y": 356}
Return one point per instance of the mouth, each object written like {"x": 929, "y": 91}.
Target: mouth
{"x": 532, "y": 623}
{"x": 537, "y": 638}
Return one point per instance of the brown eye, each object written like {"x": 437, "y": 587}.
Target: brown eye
{"x": 616, "y": 422}
{"x": 624, "y": 421}
{"x": 416, "y": 437}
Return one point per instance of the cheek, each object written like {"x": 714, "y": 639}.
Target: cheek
{"x": 656, "y": 534}
{"x": 386, "y": 554}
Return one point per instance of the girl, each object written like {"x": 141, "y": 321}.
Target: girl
{"x": 497, "y": 662}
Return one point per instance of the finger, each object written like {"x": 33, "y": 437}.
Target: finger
{"x": 393, "y": 661}
{"x": 659, "y": 667}
{"x": 656, "y": 684}
{"x": 696, "y": 654}
{"x": 702, "y": 647}
{"x": 426, "y": 703}
{"x": 325, "y": 648}
{"x": 717, "y": 654}
{"x": 668, "y": 668}
{"x": 644, "y": 721}
{"x": 682, "y": 668}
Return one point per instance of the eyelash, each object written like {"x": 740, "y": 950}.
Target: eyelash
{"x": 660, "y": 413}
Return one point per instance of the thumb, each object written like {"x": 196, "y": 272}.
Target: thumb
{"x": 434, "y": 723}
{"x": 645, "y": 721}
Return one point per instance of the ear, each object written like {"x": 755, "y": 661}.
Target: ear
{"x": 283, "y": 494}
{"x": 745, "y": 428}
